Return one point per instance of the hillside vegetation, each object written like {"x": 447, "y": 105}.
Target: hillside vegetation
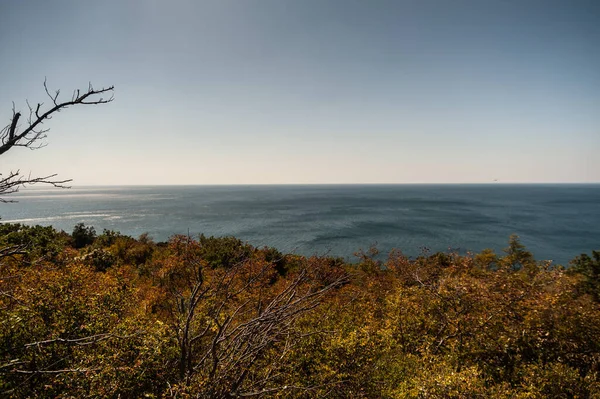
{"x": 87, "y": 315}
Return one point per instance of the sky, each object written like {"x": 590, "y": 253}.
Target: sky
{"x": 309, "y": 91}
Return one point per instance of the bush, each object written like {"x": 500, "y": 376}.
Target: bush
{"x": 224, "y": 251}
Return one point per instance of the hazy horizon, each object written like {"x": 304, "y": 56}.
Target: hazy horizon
{"x": 39, "y": 187}
{"x": 310, "y": 92}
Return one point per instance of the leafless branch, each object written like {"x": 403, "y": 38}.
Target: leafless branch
{"x": 18, "y": 371}
{"x": 12, "y": 251}
{"x": 33, "y": 134}
{"x": 92, "y": 339}
{"x": 238, "y": 326}
{"x": 11, "y": 136}
{"x": 14, "y": 180}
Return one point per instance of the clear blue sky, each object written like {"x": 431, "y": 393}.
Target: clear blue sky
{"x": 310, "y": 91}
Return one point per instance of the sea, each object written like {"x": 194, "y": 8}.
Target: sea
{"x": 554, "y": 222}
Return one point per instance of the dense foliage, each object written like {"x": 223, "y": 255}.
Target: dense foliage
{"x": 91, "y": 315}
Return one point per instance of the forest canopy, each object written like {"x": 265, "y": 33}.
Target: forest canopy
{"x": 106, "y": 315}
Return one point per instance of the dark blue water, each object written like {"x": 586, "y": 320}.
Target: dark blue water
{"x": 555, "y": 222}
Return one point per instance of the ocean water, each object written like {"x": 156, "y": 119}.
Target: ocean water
{"x": 555, "y": 222}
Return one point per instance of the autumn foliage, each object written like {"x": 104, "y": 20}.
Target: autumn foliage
{"x": 110, "y": 316}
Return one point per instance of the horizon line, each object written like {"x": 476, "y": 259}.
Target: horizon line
{"x": 317, "y": 184}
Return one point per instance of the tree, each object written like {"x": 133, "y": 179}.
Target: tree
{"x": 33, "y": 134}
{"x": 83, "y": 236}
{"x": 517, "y": 256}
{"x": 588, "y": 267}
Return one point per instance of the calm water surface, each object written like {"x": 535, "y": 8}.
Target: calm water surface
{"x": 555, "y": 222}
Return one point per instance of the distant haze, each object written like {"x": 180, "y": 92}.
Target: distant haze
{"x": 310, "y": 91}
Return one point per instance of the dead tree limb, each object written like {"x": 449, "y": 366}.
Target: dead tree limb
{"x": 33, "y": 134}
{"x": 233, "y": 327}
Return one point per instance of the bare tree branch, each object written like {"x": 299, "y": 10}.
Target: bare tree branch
{"x": 92, "y": 339}
{"x": 226, "y": 327}
{"x": 18, "y": 371}
{"x": 11, "y": 183}
{"x": 33, "y": 134}
{"x": 12, "y": 251}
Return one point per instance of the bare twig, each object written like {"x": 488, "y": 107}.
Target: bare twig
{"x": 33, "y": 135}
